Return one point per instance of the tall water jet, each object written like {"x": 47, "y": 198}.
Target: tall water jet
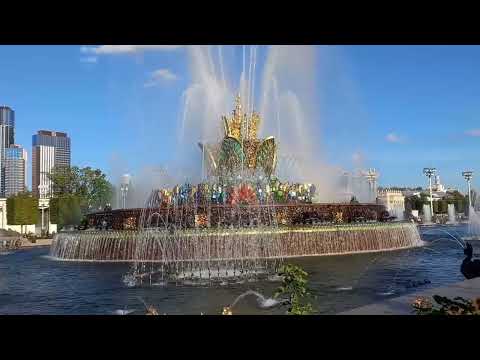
{"x": 427, "y": 215}
{"x": 473, "y": 224}
{"x": 452, "y": 219}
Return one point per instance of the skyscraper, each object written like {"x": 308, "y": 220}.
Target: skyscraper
{"x": 7, "y": 118}
{"x": 7, "y": 138}
{"x": 49, "y": 149}
{"x": 15, "y": 170}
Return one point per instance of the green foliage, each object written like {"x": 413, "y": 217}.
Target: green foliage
{"x": 354, "y": 200}
{"x": 54, "y": 210}
{"x": 65, "y": 210}
{"x": 442, "y": 206}
{"x": 294, "y": 285}
{"x": 22, "y": 210}
{"x": 414, "y": 203}
{"x": 459, "y": 206}
{"x": 90, "y": 186}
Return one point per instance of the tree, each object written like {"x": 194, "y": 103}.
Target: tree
{"x": 65, "y": 210}
{"x": 354, "y": 200}
{"x": 22, "y": 209}
{"x": 442, "y": 206}
{"x": 90, "y": 186}
{"x": 294, "y": 285}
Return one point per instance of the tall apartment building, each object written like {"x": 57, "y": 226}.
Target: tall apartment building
{"x": 49, "y": 149}
{"x": 15, "y": 170}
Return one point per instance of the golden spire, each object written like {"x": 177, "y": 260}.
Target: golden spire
{"x": 241, "y": 125}
{"x": 238, "y": 104}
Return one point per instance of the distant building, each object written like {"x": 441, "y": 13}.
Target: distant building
{"x": 7, "y": 138}
{"x": 15, "y": 170}
{"x": 7, "y": 119}
{"x": 437, "y": 185}
{"x": 49, "y": 149}
{"x": 394, "y": 202}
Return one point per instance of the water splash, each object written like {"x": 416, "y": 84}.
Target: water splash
{"x": 130, "y": 280}
{"x": 262, "y": 301}
{"x": 123, "y": 312}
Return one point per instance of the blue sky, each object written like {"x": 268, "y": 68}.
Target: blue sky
{"x": 399, "y": 108}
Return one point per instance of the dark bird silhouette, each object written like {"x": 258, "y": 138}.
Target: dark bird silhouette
{"x": 470, "y": 269}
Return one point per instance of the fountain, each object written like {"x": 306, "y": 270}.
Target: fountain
{"x": 427, "y": 216}
{"x": 473, "y": 225}
{"x": 452, "y": 219}
{"x": 239, "y": 221}
{"x": 242, "y": 222}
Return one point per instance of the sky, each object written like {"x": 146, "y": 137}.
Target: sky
{"x": 394, "y": 108}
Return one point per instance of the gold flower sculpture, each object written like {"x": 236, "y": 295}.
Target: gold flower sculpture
{"x": 240, "y": 148}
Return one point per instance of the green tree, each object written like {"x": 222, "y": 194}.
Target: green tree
{"x": 90, "y": 186}
{"x": 65, "y": 210}
{"x": 442, "y": 206}
{"x": 294, "y": 285}
{"x": 22, "y": 209}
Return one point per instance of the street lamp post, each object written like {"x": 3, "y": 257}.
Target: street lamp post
{"x": 429, "y": 172}
{"x": 42, "y": 189}
{"x": 468, "y": 175}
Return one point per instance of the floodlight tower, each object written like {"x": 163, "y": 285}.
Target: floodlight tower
{"x": 430, "y": 172}
{"x": 468, "y": 175}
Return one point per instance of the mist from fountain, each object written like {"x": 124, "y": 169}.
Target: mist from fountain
{"x": 279, "y": 82}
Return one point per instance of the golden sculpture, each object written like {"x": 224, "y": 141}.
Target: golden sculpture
{"x": 240, "y": 148}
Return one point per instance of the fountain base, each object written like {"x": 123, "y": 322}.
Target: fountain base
{"x": 239, "y": 245}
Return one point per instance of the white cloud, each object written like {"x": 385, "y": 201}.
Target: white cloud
{"x": 160, "y": 75}
{"x": 473, "y": 132}
{"x": 125, "y": 49}
{"x": 89, "y": 59}
{"x": 393, "y": 138}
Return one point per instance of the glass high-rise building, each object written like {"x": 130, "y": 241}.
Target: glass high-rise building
{"x": 15, "y": 170}
{"x": 7, "y": 138}
{"x": 49, "y": 149}
{"x": 7, "y": 118}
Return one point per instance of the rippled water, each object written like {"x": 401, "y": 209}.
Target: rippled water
{"x": 31, "y": 283}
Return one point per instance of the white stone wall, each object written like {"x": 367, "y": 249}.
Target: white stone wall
{"x": 394, "y": 202}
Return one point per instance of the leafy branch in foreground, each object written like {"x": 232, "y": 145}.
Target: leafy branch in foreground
{"x": 294, "y": 286}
